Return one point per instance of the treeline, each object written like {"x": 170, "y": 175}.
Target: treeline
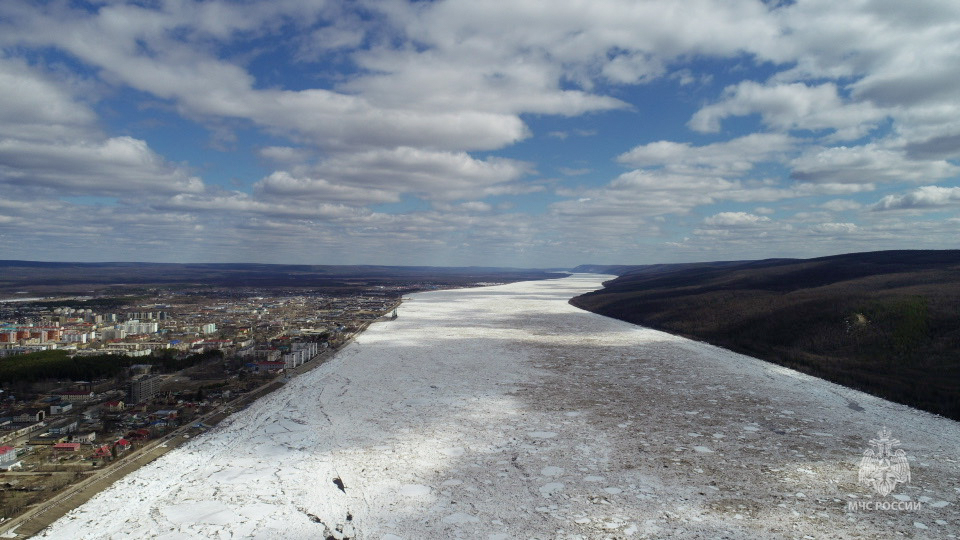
{"x": 93, "y": 303}
{"x": 58, "y": 365}
{"x": 893, "y": 331}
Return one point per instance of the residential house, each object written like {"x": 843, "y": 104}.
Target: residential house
{"x": 77, "y": 396}
{"x": 269, "y": 366}
{"x": 8, "y": 458}
{"x": 138, "y": 434}
{"x": 30, "y": 416}
{"x": 61, "y": 408}
{"x": 84, "y": 437}
{"x": 166, "y": 414}
{"x": 114, "y": 406}
{"x": 11, "y": 431}
{"x": 63, "y": 429}
{"x": 47, "y": 440}
{"x": 66, "y": 447}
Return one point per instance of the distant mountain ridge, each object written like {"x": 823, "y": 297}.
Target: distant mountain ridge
{"x": 886, "y": 322}
{"x": 623, "y": 269}
{"x": 341, "y": 269}
{"x": 60, "y": 276}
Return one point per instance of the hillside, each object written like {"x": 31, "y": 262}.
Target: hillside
{"x": 884, "y": 322}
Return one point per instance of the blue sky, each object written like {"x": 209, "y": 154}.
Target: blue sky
{"x": 532, "y": 133}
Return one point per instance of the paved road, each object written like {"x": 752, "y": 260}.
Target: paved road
{"x": 40, "y": 515}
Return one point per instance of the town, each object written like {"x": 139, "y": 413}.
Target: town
{"x": 88, "y": 382}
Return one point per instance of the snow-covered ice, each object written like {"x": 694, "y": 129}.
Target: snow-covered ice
{"x": 504, "y": 412}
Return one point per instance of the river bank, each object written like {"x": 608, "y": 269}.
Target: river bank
{"x": 40, "y": 515}
{"x": 505, "y": 412}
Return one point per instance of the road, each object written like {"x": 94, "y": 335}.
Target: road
{"x": 40, "y": 515}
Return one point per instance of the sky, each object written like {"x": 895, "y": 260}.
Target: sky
{"x": 528, "y": 133}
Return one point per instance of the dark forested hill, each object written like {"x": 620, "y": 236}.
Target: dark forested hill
{"x": 885, "y": 322}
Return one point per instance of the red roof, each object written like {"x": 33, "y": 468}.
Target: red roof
{"x": 122, "y": 442}
{"x": 5, "y": 449}
{"x": 67, "y": 446}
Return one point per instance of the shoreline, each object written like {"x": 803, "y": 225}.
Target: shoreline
{"x": 507, "y": 413}
{"x": 42, "y": 514}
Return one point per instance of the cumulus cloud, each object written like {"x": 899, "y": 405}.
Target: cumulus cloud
{"x": 37, "y": 107}
{"x": 867, "y": 164}
{"x": 789, "y": 107}
{"x": 50, "y": 139}
{"x": 283, "y": 184}
{"x": 112, "y": 167}
{"x": 424, "y": 171}
{"x": 734, "y": 157}
{"x": 378, "y": 176}
{"x": 618, "y": 41}
{"x": 635, "y": 197}
{"x": 835, "y": 228}
{"x": 242, "y": 203}
{"x": 285, "y": 155}
{"x": 736, "y": 219}
{"x": 841, "y": 205}
{"x": 396, "y": 101}
{"x": 922, "y": 198}
{"x": 139, "y": 47}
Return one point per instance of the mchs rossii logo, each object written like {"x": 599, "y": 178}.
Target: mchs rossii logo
{"x": 882, "y": 467}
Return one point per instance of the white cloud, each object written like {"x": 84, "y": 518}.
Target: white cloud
{"x": 736, "y": 219}
{"x": 116, "y": 166}
{"x": 922, "y": 198}
{"x": 395, "y": 99}
{"x": 380, "y": 176}
{"x": 841, "y": 205}
{"x": 867, "y": 164}
{"x": 789, "y": 107}
{"x": 476, "y": 206}
{"x": 285, "y": 155}
{"x": 37, "y": 107}
{"x": 282, "y": 184}
{"x": 422, "y": 170}
{"x": 111, "y": 167}
{"x": 50, "y": 139}
{"x": 243, "y": 204}
{"x": 835, "y": 228}
{"x": 137, "y": 47}
{"x": 734, "y": 157}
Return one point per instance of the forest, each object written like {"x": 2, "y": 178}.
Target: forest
{"x": 886, "y": 323}
{"x": 59, "y": 366}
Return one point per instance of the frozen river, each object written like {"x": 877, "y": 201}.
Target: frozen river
{"x": 504, "y": 412}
